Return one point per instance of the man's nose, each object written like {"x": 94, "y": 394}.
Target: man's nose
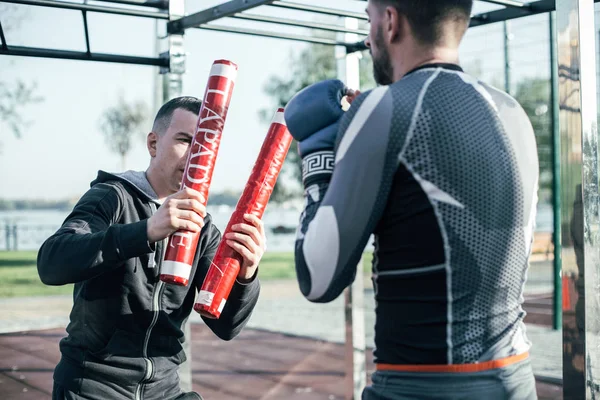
{"x": 368, "y": 42}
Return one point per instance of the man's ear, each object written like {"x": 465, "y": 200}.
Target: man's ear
{"x": 151, "y": 142}
{"x": 394, "y": 24}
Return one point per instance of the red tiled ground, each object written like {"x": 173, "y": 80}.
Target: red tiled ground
{"x": 256, "y": 365}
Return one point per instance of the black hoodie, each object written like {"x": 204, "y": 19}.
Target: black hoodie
{"x": 125, "y": 331}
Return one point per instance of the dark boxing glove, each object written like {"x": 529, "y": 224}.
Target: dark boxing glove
{"x": 313, "y": 115}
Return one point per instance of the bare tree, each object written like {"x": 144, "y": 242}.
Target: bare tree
{"x": 12, "y": 16}
{"x": 120, "y": 124}
{"x": 15, "y": 96}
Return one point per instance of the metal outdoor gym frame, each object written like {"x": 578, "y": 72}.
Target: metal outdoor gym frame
{"x": 235, "y": 9}
{"x": 576, "y": 206}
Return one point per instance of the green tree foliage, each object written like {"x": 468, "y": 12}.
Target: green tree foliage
{"x": 318, "y": 62}
{"x": 534, "y": 96}
{"x": 313, "y": 64}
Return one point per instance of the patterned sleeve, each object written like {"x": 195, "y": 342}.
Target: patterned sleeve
{"x": 345, "y": 195}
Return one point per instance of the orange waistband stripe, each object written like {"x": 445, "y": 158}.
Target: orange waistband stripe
{"x": 478, "y": 367}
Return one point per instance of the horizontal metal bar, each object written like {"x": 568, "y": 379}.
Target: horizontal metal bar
{"x": 505, "y": 14}
{"x": 506, "y": 3}
{"x": 161, "y": 4}
{"x": 228, "y": 9}
{"x": 254, "y": 32}
{"x": 354, "y": 47}
{"x": 89, "y": 7}
{"x": 302, "y": 24}
{"x": 319, "y": 10}
{"x": 82, "y": 55}
{"x": 531, "y": 8}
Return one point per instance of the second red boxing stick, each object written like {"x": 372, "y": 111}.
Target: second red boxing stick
{"x": 226, "y": 264}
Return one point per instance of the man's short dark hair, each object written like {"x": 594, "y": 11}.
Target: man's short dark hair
{"x": 426, "y": 16}
{"x": 164, "y": 115}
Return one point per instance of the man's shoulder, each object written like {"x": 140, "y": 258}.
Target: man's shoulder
{"x": 101, "y": 190}
{"x": 111, "y": 194}
{"x": 108, "y": 189}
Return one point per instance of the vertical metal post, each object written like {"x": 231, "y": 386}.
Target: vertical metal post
{"x": 355, "y": 346}
{"x": 507, "y": 39}
{"x": 15, "y": 238}
{"x": 556, "y": 204}
{"x": 172, "y": 82}
{"x": 7, "y": 232}
{"x": 157, "y": 99}
{"x": 579, "y": 197}
{"x": 171, "y": 86}
{"x": 348, "y": 68}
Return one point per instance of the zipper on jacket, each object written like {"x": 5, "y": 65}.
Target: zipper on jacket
{"x": 155, "y": 309}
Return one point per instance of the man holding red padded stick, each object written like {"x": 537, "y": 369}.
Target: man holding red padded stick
{"x": 124, "y": 338}
{"x": 443, "y": 170}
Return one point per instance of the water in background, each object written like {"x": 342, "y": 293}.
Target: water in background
{"x": 35, "y": 226}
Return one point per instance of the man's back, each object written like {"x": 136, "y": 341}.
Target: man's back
{"x": 453, "y": 242}
{"x": 443, "y": 170}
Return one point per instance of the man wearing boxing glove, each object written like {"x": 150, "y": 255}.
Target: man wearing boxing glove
{"x": 442, "y": 169}
{"x": 126, "y": 327}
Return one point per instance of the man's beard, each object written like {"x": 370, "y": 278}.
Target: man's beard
{"x": 383, "y": 71}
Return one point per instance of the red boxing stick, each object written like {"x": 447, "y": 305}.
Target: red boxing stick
{"x": 181, "y": 249}
{"x": 226, "y": 264}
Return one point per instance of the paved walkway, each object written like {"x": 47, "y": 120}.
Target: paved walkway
{"x": 282, "y": 309}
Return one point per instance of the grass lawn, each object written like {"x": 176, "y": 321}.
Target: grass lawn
{"x": 19, "y": 277}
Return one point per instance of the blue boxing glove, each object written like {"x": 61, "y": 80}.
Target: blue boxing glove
{"x": 313, "y": 118}
{"x": 313, "y": 115}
